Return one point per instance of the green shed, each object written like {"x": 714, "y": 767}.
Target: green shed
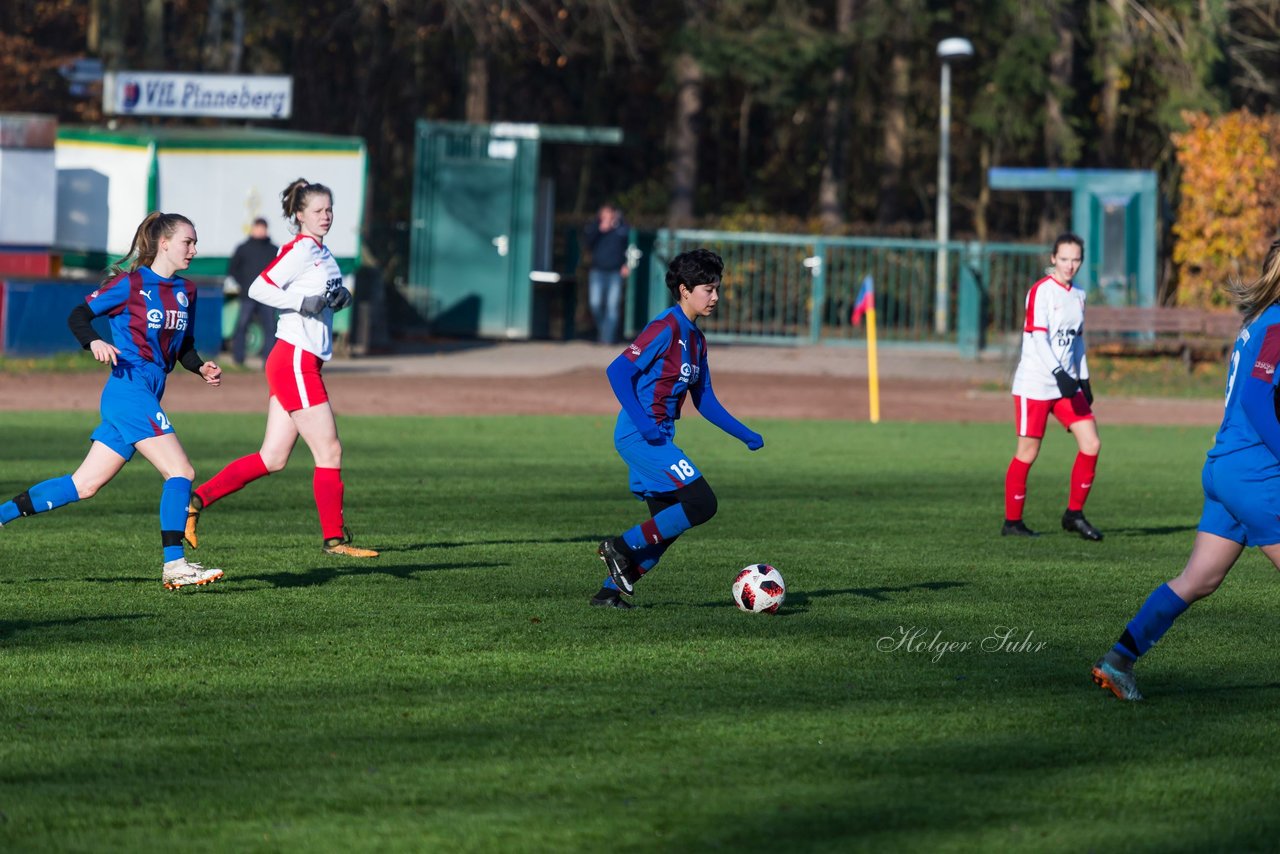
{"x": 483, "y": 223}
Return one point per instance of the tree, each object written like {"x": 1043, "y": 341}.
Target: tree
{"x": 836, "y": 124}
{"x": 1230, "y": 201}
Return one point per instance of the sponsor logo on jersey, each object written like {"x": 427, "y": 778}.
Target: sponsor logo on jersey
{"x": 172, "y": 319}
{"x": 145, "y": 294}
{"x": 634, "y": 350}
{"x": 1266, "y": 367}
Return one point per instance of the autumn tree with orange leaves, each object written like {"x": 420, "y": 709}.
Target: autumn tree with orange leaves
{"x": 1229, "y": 211}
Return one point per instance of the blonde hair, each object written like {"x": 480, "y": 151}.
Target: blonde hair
{"x": 294, "y": 198}
{"x": 1252, "y": 298}
{"x": 146, "y": 241}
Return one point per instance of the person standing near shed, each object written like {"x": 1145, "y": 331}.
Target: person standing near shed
{"x": 607, "y": 237}
{"x": 250, "y": 259}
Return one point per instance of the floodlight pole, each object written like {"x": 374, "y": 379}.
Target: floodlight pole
{"x": 948, "y": 49}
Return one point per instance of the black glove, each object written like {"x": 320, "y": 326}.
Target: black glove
{"x": 1088, "y": 392}
{"x": 340, "y": 298}
{"x": 1067, "y": 386}
{"x": 313, "y": 305}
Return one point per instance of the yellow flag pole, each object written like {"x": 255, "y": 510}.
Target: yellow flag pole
{"x": 873, "y": 369}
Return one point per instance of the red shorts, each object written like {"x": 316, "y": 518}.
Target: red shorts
{"x": 293, "y": 377}
{"x": 1031, "y": 415}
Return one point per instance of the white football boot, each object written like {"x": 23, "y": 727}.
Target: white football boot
{"x": 183, "y": 573}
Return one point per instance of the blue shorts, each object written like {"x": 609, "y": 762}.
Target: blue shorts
{"x": 130, "y": 408}
{"x": 1241, "y": 502}
{"x": 655, "y": 468}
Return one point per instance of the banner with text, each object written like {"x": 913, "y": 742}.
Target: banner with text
{"x": 228, "y": 96}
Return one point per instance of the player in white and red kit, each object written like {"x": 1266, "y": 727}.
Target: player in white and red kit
{"x": 305, "y": 284}
{"x": 1053, "y": 377}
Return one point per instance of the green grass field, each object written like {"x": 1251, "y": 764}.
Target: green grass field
{"x": 458, "y": 694}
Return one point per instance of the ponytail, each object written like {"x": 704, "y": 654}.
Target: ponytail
{"x": 294, "y": 198}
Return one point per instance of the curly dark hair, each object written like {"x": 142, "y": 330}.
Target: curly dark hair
{"x": 693, "y": 268}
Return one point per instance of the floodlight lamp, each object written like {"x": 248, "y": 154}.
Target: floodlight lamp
{"x": 953, "y": 49}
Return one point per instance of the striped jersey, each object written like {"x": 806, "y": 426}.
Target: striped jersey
{"x": 304, "y": 267}
{"x": 671, "y": 354}
{"x": 1254, "y": 358}
{"x": 150, "y": 316}
{"x": 1056, "y": 309}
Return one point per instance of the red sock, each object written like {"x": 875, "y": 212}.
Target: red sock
{"x": 1015, "y": 489}
{"x": 234, "y": 477}
{"x": 327, "y": 484}
{"x": 1081, "y": 480}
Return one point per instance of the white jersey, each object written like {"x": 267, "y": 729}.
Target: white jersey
{"x": 303, "y": 268}
{"x": 1052, "y": 337}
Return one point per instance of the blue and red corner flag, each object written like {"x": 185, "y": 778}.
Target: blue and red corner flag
{"x": 866, "y": 301}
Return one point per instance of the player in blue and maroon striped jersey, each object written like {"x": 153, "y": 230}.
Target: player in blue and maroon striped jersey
{"x": 151, "y": 313}
{"x": 650, "y": 379}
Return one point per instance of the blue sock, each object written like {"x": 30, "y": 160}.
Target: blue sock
{"x": 1153, "y": 619}
{"x": 41, "y": 498}
{"x": 667, "y": 525}
{"x": 174, "y": 499}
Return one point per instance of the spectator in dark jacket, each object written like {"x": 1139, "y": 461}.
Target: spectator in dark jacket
{"x": 250, "y": 259}
{"x": 607, "y": 237}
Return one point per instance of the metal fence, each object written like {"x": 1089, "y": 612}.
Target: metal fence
{"x": 801, "y": 289}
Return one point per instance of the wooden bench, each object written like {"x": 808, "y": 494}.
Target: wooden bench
{"x": 1192, "y": 333}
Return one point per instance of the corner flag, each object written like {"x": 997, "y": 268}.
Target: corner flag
{"x": 866, "y": 304}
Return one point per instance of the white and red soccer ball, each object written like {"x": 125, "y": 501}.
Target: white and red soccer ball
{"x": 759, "y": 589}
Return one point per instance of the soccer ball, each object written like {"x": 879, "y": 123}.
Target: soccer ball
{"x": 759, "y": 588}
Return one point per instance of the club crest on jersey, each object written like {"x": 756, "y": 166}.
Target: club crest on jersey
{"x": 182, "y": 299}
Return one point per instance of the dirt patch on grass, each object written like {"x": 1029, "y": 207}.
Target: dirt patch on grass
{"x": 585, "y": 391}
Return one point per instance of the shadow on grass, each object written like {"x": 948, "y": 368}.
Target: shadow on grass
{"x": 9, "y": 628}
{"x": 876, "y": 594}
{"x": 1210, "y": 690}
{"x": 155, "y": 579}
{"x": 585, "y": 539}
{"x": 1163, "y": 529}
{"x": 797, "y": 601}
{"x": 323, "y": 575}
